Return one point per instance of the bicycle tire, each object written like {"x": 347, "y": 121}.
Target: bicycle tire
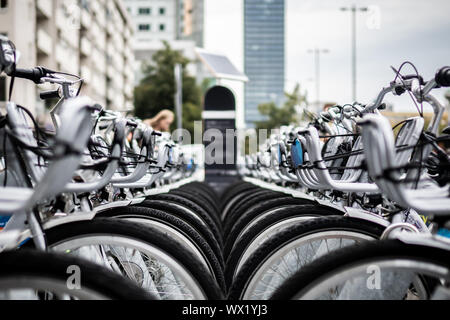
{"x": 269, "y": 247}
{"x": 257, "y": 209}
{"x": 205, "y": 187}
{"x": 52, "y": 266}
{"x": 257, "y": 198}
{"x": 253, "y": 198}
{"x": 143, "y": 234}
{"x": 264, "y": 222}
{"x": 231, "y": 187}
{"x": 352, "y": 256}
{"x": 187, "y": 216}
{"x": 180, "y": 225}
{"x": 202, "y": 198}
{"x": 202, "y": 201}
{"x": 195, "y": 208}
{"x": 232, "y": 193}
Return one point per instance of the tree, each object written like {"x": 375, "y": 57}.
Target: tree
{"x": 191, "y": 113}
{"x": 284, "y": 115}
{"x": 156, "y": 90}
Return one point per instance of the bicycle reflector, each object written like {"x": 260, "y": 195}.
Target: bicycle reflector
{"x": 297, "y": 153}
{"x": 190, "y": 165}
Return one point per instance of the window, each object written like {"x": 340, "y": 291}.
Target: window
{"x": 85, "y": 5}
{"x": 162, "y": 27}
{"x": 145, "y": 11}
{"x": 3, "y": 4}
{"x": 144, "y": 27}
{"x": 162, "y": 11}
{"x": 2, "y": 89}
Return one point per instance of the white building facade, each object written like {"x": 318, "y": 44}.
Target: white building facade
{"x": 89, "y": 38}
{"x": 156, "y": 21}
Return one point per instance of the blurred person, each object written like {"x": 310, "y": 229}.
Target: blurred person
{"x": 328, "y": 106}
{"x": 162, "y": 121}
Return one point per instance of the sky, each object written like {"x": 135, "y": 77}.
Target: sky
{"x": 413, "y": 30}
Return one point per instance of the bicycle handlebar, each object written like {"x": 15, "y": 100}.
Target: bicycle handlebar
{"x": 411, "y": 82}
{"x": 374, "y": 105}
{"x": 33, "y": 74}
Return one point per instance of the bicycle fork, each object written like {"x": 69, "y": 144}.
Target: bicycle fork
{"x": 17, "y": 226}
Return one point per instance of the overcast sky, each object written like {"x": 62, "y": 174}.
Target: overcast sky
{"x": 414, "y": 30}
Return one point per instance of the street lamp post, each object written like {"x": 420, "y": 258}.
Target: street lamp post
{"x": 353, "y": 10}
{"x": 178, "y": 72}
{"x": 317, "y": 52}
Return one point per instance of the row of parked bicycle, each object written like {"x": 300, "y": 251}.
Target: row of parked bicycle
{"x": 346, "y": 207}
{"x": 107, "y": 208}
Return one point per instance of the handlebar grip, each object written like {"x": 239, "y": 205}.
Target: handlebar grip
{"x": 414, "y": 76}
{"x": 131, "y": 123}
{"x": 443, "y": 77}
{"x": 53, "y": 94}
{"x": 326, "y": 116}
{"x": 33, "y": 74}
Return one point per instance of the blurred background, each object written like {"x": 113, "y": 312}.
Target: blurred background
{"x": 296, "y": 54}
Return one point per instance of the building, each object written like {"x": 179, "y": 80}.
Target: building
{"x": 18, "y": 22}
{"x": 89, "y": 38}
{"x": 179, "y": 22}
{"x": 264, "y": 55}
{"x": 193, "y": 21}
{"x": 154, "y": 21}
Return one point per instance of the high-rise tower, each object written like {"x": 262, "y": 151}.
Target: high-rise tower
{"x": 264, "y": 51}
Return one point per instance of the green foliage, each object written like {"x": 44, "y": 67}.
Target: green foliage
{"x": 206, "y": 84}
{"x": 191, "y": 113}
{"x": 156, "y": 90}
{"x": 284, "y": 115}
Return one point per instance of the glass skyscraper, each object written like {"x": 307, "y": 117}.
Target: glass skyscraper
{"x": 264, "y": 48}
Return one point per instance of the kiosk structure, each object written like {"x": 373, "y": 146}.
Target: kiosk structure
{"x": 219, "y": 115}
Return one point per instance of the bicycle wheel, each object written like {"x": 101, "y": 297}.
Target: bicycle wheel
{"x": 202, "y": 198}
{"x": 205, "y": 216}
{"x": 243, "y": 204}
{"x": 232, "y": 187}
{"x": 178, "y": 229}
{"x": 239, "y": 222}
{"x": 388, "y": 270}
{"x": 153, "y": 259}
{"x": 188, "y": 215}
{"x": 34, "y": 275}
{"x": 204, "y": 187}
{"x": 275, "y": 219}
{"x": 233, "y": 191}
{"x": 203, "y": 201}
{"x": 291, "y": 249}
{"x": 265, "y": 226}
{"x": 232, "y": 202}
